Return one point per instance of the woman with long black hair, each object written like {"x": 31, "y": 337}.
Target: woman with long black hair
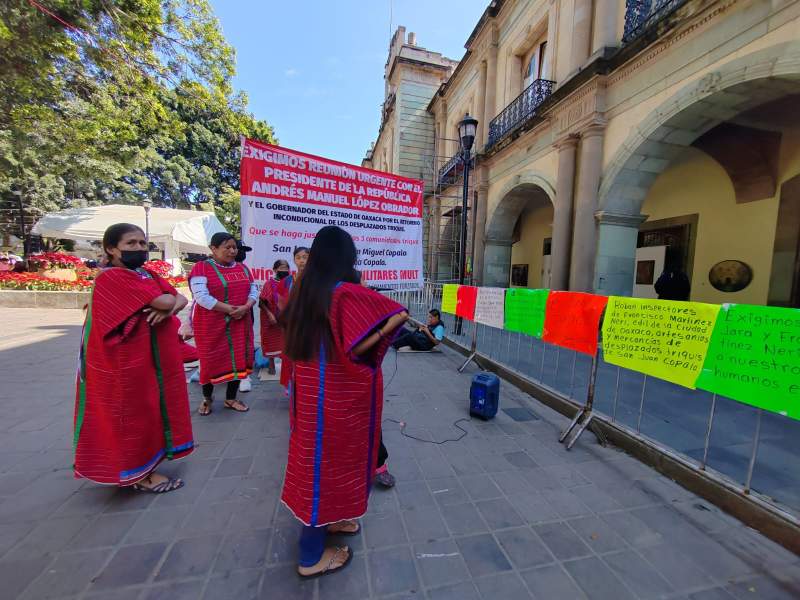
{"x": 337, "y": 333}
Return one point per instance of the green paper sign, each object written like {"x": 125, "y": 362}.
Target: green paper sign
{"x": 449, "y": 298}
{"x": 524, "y": 311}
{"x": 754, "y": 357}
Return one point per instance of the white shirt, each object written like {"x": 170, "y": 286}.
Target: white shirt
{"x": 199, "y": 286}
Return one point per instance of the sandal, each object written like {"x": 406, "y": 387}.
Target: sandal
{"x": 170, "y": 485}
{"x": 236, "y": 405}
{"x": 205, "y": 407}
{"x": 347, "y": 528}
{"x": 329, "y": 568}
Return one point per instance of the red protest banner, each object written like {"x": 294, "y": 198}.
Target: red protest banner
{"x": 287, "y": 196}
{"x": 572, "y": 320}
{"x": 465, "y": 302}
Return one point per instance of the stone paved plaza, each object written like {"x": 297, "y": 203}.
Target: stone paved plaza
{"x": 504, "y": 513}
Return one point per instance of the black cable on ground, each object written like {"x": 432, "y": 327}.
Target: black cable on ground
{"x": 437, "y": 442}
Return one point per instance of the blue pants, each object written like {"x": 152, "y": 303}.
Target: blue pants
{"x": 312, "y": 545}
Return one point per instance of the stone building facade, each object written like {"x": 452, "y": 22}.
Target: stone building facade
{"x": 618, "y": 139}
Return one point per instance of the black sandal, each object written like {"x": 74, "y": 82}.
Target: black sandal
{"x": 205, "y": 407}
{"x": 170, "y": 485}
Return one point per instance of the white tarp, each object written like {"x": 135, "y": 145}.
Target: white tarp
{"x": 172, "y": 229}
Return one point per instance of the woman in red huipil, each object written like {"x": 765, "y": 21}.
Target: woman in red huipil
{"x": 284, "y": 289}
{"x": 224, "y": 292}
{"x": 337, "y": 333}
{"x": 271, "y": 333}
{"x": 132, "y": 407}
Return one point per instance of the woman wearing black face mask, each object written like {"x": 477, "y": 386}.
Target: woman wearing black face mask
{"x": 271, "y": 333}
{"x": 131, "y": 408}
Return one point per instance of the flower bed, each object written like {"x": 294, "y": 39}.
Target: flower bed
{"x": 54, "y": 260}
{"x": 37, "y": 282}
{"x": 74, "y": 279}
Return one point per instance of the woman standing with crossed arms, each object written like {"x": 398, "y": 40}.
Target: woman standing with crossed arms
{"x": 224, "y": 292}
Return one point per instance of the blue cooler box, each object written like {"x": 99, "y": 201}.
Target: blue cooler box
{"x": 484, "y": 396}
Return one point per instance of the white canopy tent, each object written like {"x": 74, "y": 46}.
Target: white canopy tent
{"x": 174, "y": 231}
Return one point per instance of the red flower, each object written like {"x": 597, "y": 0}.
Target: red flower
{"x": 54, "y": 260}
{"x": 35, "y": 282}
{"x": 159, "y": 267}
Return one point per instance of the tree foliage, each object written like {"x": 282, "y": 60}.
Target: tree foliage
{"x": 107, "y": 101}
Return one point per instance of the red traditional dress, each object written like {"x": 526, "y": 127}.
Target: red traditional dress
{"x": 271, "y": 335}
{"x": 284, "y": 288}
{"x": 131, "y": 407}
{"x": 336, "y": 404}
{"x": 188, "y": 352}
{"x": 225, "y": 345}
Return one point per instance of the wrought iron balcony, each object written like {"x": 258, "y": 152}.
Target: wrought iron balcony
{"x": 641, "y": 15}
{"x": 452, "y": 170}
{"x": 520, "y": 111}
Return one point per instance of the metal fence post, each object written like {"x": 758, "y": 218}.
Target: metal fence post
{"x": 572, "y": 377}
{"x": 753, "y": 454}
{"x": 641, "y": 406}
{"x": 541, "y": 371}
{"x": 708, "y": 432}
{"x": 616, "y": 397}
{"x": 584, "y": 417}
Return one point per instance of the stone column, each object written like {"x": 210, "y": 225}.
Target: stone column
{"x": 581, "y": 34}
{"x": 605, "y": 25}
{"x": 433, "y": 238}
{"x": 616, "y": 252}
{"x": 561, "y": 246}
{"x": 497, "y": 263}
{"x": 584, "y": 232}
{"x": 549, "y": 69}
{"x": 482, "y": 182}
{"x": 514, "y": 77}
{"x": 480, "y": 109}
{"x": 490, "y": 101}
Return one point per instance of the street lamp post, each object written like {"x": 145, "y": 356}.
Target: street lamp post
{"x": 23, "y": 233}
{"x": 466, "y": 136}
{"x": 147, "y": 204}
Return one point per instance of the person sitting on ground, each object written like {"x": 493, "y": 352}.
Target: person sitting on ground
{"x": 426, "y": 337}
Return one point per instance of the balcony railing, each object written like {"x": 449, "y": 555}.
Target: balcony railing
{"x": 641, "y": 15}
{"x": 452, "y": 170}
{"x": 520, "y": 111}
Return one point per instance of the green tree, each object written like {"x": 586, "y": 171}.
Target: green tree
{"x": 116, "y": 101}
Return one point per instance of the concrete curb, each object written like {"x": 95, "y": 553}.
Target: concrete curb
{"x": 57, "y": 300}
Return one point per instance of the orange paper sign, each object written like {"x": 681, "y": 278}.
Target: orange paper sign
{"x": 572, "y": 320}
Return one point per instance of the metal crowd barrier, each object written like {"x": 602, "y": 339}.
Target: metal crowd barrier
{"x": 749, "y": 450}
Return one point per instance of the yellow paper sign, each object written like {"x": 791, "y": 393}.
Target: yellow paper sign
{"x": 449, "y": 298}
{"x": 662, "y": 338}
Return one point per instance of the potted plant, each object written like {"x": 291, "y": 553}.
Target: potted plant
{"x": 56, "y": 265}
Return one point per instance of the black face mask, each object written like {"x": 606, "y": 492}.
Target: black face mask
{"x": 133, "y": 259}
{"x": 281, "y": 274}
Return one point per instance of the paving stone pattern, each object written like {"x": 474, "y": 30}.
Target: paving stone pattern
{"x": 504, "y": 513}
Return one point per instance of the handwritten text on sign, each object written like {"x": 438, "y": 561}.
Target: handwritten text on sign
{"x": 489, "y": 309}
{"x": 662, "y": 338}
{"x": 754, "y": 357}
{"x": 525, "y": 310}
{"x": 287, "y": 196}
